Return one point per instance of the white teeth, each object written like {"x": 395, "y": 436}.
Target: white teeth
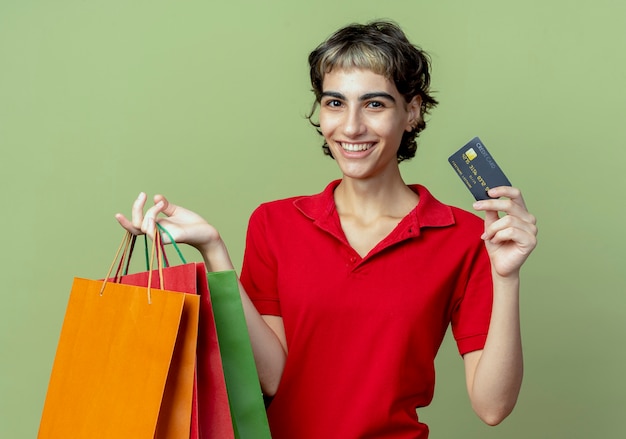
{"x": 356, "y": 146}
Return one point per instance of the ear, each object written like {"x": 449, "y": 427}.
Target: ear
{"x": 414, "y": 112}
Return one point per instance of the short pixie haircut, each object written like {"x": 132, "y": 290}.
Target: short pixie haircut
{"x": 383, "y": 48}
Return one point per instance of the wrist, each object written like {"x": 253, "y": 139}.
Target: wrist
{"x": 509, "y": 281}
{"x": 216, "y": 255}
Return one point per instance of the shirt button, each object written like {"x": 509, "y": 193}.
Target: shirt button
{"x": 353, "y": 259}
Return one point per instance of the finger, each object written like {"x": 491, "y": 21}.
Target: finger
{"x": 168, "y": 208}
{"x": 126, "y": 224}
{"x": 508, "y": 206}
{"x": 137, "y": 211}
{"x": 148, "y": 224}
{"x": 524, "y": 240}
{"x": 508, "y": 222}
{"x": 507, "y": 191}
{"x": 512, "y": 193}
{"x": 491, "y": 217}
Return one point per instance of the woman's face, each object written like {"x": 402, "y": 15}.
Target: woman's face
{"x": 362, "y": 118}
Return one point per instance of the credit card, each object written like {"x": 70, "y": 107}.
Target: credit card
{"x": 477, "y": 168}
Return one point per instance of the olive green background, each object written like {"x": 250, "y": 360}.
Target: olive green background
{"x": 204, "y": 101}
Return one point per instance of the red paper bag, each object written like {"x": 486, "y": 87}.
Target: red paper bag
{"x": 210, "y": 415}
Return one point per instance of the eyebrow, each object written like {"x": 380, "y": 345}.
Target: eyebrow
{"x": 365, "y": 97}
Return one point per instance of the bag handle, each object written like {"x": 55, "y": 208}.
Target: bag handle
{"x": 156, "y": 245}
{"x": 164, "y": 230}
{"x": 125, "y": 249}
{"x": 129, "y": 253}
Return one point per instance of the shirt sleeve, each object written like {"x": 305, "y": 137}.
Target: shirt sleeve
{"x": 258, "y": 274}
{"x": 472, "y": 314}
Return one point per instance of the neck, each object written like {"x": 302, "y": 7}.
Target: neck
{"x": 375, "y": 197}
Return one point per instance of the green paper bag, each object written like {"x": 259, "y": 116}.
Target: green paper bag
{"x": 242, "y": 381}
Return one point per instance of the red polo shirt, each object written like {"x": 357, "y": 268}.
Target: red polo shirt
{"x": 362, "y": 333}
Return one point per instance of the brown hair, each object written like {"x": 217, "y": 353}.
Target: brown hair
{"x": 383, "y": 48}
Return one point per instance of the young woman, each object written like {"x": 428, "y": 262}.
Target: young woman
{"x": 348, "y": 293}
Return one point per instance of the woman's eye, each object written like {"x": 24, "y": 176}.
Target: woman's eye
{"x": 375, "y": 104}
{"x": 333, "y": 103}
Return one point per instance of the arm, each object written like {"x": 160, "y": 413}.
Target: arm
{"x": 267, "y": 334}
{"x": 494, "y": 374}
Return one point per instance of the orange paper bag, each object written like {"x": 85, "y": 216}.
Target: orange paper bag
{"x": 114, "y": 355}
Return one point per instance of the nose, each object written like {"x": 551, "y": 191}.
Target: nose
{"x": 353, "y": 123}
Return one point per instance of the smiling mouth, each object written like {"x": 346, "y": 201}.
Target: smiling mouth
{"x": 355, "y": 147}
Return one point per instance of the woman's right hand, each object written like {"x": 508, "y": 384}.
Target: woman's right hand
{"x": 184, "y": 225}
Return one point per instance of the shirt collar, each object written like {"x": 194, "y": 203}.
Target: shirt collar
{"x": 429, "y": 212}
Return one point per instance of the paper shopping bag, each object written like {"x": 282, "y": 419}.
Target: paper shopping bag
{"x": 210, "y": 412}
{"x": 242, "y": 382}
{"x": 112, "y": 360}
{"x": 175, "y": 417}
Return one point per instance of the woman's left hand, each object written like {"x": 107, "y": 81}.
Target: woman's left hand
{"x": 511, "y": 238}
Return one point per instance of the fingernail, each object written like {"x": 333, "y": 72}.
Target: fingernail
{"x": 477, "y": 205}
